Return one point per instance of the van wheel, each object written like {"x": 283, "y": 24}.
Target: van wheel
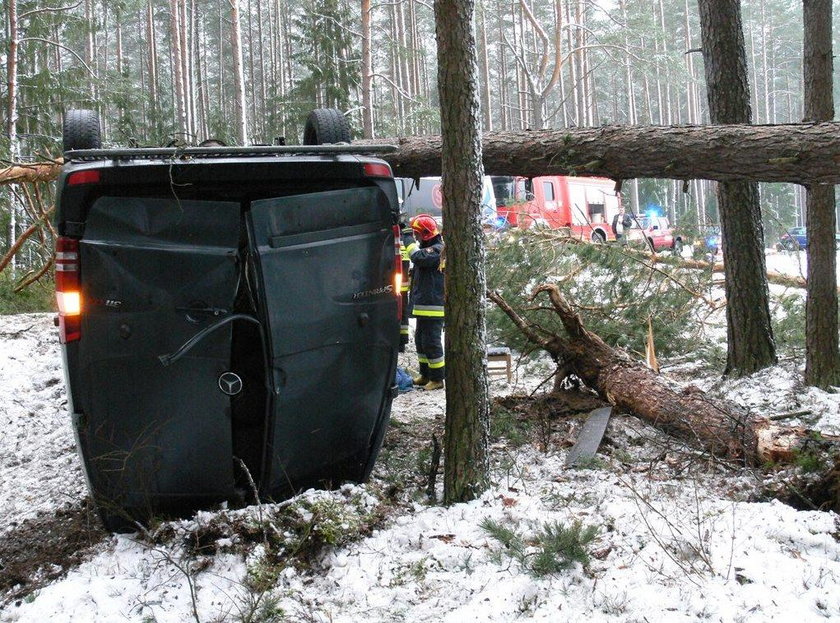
{"x": 598, "y": 237}
{"x": 81, "y": 130}
{"x": 325, "y": 126}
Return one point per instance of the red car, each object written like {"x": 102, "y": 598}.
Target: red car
{"x": 656, "y": 232}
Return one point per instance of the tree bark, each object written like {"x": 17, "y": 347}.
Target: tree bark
{"x": 238, "y": 75}
{"x": 367, "y": 71}
{"x": 466, "y": 441}
{"x": 12, "y": 113}
{"x": 822, "y": 357}
{"x": 177, "y": 67}
{"x": 750, "y": 344}
{"x": 800, "y": 153}
{"x": 688, "y": 414}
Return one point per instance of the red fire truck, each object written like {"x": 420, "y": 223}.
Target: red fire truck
{"x": 584, "y": 205}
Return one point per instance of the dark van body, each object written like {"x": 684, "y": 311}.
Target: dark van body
{"x": 238, "y": 324}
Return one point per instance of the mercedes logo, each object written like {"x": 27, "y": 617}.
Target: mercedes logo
{"x": 230, "y": 383}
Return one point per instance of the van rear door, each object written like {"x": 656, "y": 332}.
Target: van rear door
{"x": 326, "y": 262}
{"x": 153, "y": 272}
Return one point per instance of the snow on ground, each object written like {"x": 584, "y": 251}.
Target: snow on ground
{"x": 39, "y": 469}
{"x": 679, "y": 537}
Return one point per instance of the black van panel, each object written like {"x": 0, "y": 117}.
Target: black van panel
{"x": 150, "y": 270}
{"x": 331, "y": 317}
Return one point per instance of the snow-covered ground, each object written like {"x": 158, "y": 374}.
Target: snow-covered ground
{"x": 679, "y": 537}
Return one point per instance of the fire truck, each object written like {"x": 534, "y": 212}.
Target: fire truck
{"x": 583, "y": 205}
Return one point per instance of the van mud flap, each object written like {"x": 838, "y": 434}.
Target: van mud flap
{"x": 324, "y": 262}
{"x": 156, "y": 271}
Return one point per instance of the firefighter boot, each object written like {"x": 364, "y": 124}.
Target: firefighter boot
{"x": 433, "y": 385}
{"x": 419, "y": 380}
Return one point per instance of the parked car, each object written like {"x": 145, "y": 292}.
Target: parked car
{"x": 655, "y": 232}
{"x": 228, "y": 316}
{"x": 794, "y": 238}
{"x": 797, "y": 238}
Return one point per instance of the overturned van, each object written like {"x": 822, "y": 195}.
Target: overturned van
{"x": 229, "y": 317}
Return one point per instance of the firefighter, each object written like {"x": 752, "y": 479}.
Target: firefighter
{"x": 426, "y": 301}
{"x": 406, "y": 238}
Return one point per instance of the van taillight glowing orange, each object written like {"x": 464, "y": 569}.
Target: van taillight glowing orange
{"x": 68, "y": 289}
{"x": 397, "y": 283}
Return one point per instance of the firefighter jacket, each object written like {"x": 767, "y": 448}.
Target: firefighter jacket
{"x": 427, "y": 278}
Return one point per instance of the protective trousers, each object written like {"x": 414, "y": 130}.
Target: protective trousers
{"x": 429, "y": 340}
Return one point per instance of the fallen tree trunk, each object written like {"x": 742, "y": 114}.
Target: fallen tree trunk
{"x": 801, "y": 153}
{"x": 688, "y": 414}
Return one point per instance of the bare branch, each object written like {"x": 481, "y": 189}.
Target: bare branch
{"x": 63, "y": 47}
{"x": 57, "y": 9}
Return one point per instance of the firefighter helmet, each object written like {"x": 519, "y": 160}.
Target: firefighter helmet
{"x": 425, "y": 227}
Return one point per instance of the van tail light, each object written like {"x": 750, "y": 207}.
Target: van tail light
{"x": 79, "y": 178}
{"x": 397, "y": 280}
{"x": 377, "y": 169}
{"x": 68, "y": 292}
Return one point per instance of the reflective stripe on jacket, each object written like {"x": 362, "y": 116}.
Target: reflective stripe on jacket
{"x": 427, "y": 279}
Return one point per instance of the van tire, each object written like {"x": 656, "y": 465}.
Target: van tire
{"x": 81, "y": 130}
{"x": 325, "y": 126}
{"x": 598, "y": 237}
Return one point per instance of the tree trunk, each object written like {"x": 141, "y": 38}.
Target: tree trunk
{"x": 486, "y": 106}
{"x": 177, "y": 67}
{"x": 12, "y": 115}
{"x": 238, "y": 75}
{"x": 750, "y": 345}
{"x": 466, "y": 442}
{"x": 688, "y": 414}
{"x": 153, "y": 69}
{"x": 799, "y": 153}
{"x": 367, "y": 72}
{"x": 822, "y": 358}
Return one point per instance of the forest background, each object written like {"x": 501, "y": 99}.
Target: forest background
{"x": 248, "y": 71}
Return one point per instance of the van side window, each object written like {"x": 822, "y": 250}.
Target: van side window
{"x": 548, "y": 189}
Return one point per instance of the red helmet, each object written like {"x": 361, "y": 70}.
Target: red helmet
{"x": 425, "y": 227}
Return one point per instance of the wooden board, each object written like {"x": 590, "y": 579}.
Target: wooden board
{"x": 590, "y": 437}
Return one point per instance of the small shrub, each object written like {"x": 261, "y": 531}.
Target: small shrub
{"x": 561, "y": 546}
{"x": 809, "y": 462}
{"x": 556, "y": 547}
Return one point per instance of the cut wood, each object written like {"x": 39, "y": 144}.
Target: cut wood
{"x": 688, "y": 414}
